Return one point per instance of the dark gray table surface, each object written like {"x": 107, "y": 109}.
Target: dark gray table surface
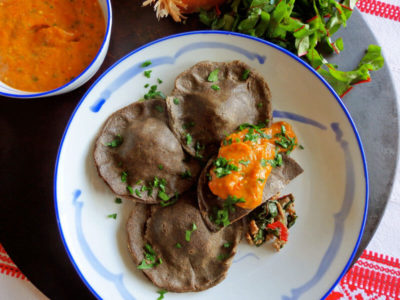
{"x": 373, "y": 107}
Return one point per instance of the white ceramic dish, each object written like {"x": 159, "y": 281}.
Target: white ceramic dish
{"x": 79, "y": 80}
{"x": 331, "y": 194}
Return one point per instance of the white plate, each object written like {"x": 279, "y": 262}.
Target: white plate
{"x": 331, "y": 194}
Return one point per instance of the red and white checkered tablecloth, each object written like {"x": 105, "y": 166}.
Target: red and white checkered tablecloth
{"x": 376, "y": 274}
{"x": 374, "y": 277}
{"x": 13, "y": 284}
{"x": 384, "y": 9}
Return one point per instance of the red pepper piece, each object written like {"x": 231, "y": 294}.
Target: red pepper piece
{"x": 283, "y": 231}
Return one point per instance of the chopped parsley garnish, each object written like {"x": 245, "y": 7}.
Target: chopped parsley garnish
{"x": 159, "y": 183}
{"x": 253, "y": 134}
{"x": 227, "y": 142}
{"x": 124, "y": 176}
{"x": 244, "y": 126}
{"x": 215, "y": 87}
{"x": 301, "y": 147}
{"x": 245, "y": 74}
{"x": 213, "y": 77}
{"x": 263, "y": 162}
{"x": 118, "y": 200}
{"x": 162, "y": 293}
{"x": 188, "y": 233}
{"x": 147, "y": 73}
{"x": 221, "y": 216}
{"x": 283, "y": 130}
{"x": 159, "y": 108}
{"x": 166, "y": 200}
{"x": 227, "y": 245}
{"x": 255, "y": 127}
{"x": 237, "y": 140}
{"x": 260, "y": 179}
{"x": 116, "y": 142}
{"x": 223, "y": 168}
{"x": 244, "y": 162}
{"x": 284, "y": 141}
{"x": 146, "y": 64}
{"x": 198, "y": 148}
{"x": 163, "y": 196}
{"x": 189, "y": 139}
{"x": 277, "y": 161}
{"x": 178, "y": 245}
{"x": 159, "y": 80}
{"x": 129, "y": 189}
{"x": 137, "y": 192}
{"x": 150, "y": 258}
{"x": 160, "y": 167}
{"x": 259, "y": 105}
{"x": 153, "y": 93}
{"x": 176, "y": 101}
{"x": 186, "y": 174}
{"x": 146, "y": 85}
{"x": 112, "y": 216}
{"x": 222, "y": 256}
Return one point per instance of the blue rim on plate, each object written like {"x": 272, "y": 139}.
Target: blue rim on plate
{"x": 40, "y": 94}
{"x": 348, "y": 264}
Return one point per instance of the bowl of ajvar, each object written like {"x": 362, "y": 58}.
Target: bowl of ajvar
{"x": 51, "y": 47}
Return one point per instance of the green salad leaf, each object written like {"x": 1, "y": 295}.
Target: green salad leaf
{"x": 304, "y": 27}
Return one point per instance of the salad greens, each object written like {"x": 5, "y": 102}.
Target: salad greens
{"x": 304, "y": 27}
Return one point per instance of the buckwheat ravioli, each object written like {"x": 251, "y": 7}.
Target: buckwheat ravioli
{"x": 175, "y": 249}
{"x": 211, "y": 99}
{"x": 139, "y": 157}
{"x": 209, "y": 203}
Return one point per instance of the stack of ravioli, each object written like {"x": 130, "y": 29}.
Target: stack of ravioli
{"x": 161, "y": 154}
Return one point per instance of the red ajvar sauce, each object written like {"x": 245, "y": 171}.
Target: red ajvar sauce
{"x": 252, "y": 157}
{"x": 46, "y": 43}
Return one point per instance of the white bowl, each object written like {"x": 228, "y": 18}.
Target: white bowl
{"x": 331, "y": 194}
{"x": 79, "y": 80}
